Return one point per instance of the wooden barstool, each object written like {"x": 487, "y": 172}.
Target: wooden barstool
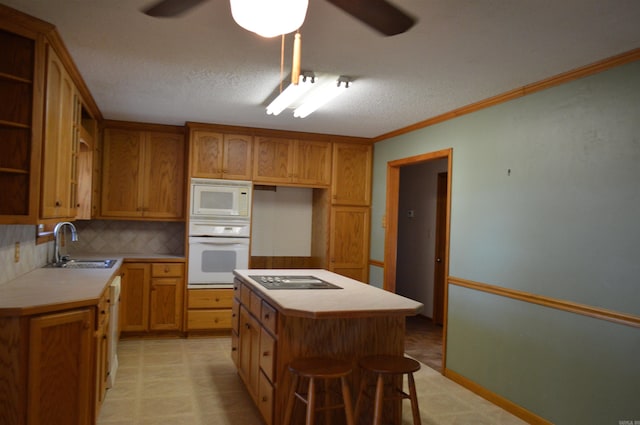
{"x": 312, "y": 369}
{"x": 394, "y": 367}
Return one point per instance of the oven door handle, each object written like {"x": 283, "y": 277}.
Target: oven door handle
{"x": 207, "y": 242}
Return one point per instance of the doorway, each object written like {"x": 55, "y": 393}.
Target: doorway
{"x": 416, "y": 246}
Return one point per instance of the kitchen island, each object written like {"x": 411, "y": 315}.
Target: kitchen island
{"x": 274, "y": 326}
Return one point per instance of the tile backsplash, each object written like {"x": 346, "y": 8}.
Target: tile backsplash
{"x": 32, "y": 256}
{"x": 129, "y": 237}
{"x": 94, "y": 237}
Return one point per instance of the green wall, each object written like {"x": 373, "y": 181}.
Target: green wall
{"x": 546, "y": 200}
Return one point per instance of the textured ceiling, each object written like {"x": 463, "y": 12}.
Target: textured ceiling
{"x": 203, "y": 67}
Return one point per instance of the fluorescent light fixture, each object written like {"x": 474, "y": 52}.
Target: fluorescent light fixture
{"x": 291, "y": 94}
{"x": 321, "y": 96}
{"x": 269, "y": 18}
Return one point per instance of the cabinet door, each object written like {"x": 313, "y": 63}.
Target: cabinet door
{"x": 273, "y": 160}
{"x": 58, "y": 168}
{"x": 163, "y": 183}
{"x": 313, "y": 163}
{"x": 166, "y": 303}
{"x": 206, "y": 154}
{"x": 134, "y": 297}
{"x": 121, "y": 180}
{"x": 351, "y": 181}
{"x": 61, "y": 368}
{"x": 238, "y": 150}
{"x": 249, "y": 347}
{"x": 349, "y": 242}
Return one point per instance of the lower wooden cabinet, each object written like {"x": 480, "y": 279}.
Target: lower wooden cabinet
{"x": 209, "y": 309}
{"x": 349, "y": 241}
{"x": 103, "y": 314}
{"x": 59, "y": 370}
{"x": 254, "y": 348}
{"x": 151, "y": 297}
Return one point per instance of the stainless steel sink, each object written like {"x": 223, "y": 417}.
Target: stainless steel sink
{"x": 84, "y": 264}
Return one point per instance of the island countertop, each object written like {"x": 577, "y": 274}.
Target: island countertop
{"x": 354, "y": 299}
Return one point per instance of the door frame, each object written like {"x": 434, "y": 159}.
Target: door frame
{"x": 391, "y": 229}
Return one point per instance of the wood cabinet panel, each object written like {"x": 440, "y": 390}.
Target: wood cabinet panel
{"x": 122, "y": 156}
{"x": 134, "y": 297}
{"x": 349, "y": 241}
{"x": 60, "y": 368}
{"x": 165, "y": 307}
{"x": 142, "y": 174}
{"x": 313, "y": 163}
{"x": 163, "y": 183}
{"x": 351, "y": 179}
{"x": 217, "y": 155}
{"x": 59, "y": 167}
{"x": 273, "y": 160}
{"x": 150, "y": 301}
{"x": 289, "y": 161}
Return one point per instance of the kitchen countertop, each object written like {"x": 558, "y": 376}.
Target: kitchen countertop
{"x": 355, "y": 299}
{"x": 46, "y": 289}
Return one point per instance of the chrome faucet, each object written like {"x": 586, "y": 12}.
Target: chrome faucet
{"x": 56, "y": 239}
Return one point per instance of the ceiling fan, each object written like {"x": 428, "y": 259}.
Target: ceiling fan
{"x": 380, "y": 15}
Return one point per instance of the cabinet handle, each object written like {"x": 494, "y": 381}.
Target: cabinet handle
{"x": 103, "y": 312}
{"x": 234, "y": 349}
{"x": 248, "y": 326}
{"x": 266, "y": 354}
{"x": 265, "y": 399}
{"x": 266, "y": 316}
{"x": 217, "y": 300}
{"x": 166, "y": 269}
{"x": 58, "y": 203}
{"x": 104, "y": 337}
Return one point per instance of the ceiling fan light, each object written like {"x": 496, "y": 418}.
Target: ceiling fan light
{"x": 269, "y": 18}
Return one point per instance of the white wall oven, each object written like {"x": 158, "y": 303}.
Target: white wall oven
{"x": 219, "y": 232}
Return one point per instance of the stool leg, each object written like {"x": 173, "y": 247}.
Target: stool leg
{"x": 377, "y": 415}
{"x": 291, "y": 400}
{"x": 327, "y": 401}
{"x": 346, "y": 395}
{"x": 361, "y": 394}
{"x": 311, "y": 401}
{"x": 414, "y": 401}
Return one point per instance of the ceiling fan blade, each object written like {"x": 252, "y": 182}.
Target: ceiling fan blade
{"x": 170, "y": 8}
{"x": 378, "y": 14}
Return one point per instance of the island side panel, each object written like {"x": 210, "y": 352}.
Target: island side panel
{"x": 343, "y": 338}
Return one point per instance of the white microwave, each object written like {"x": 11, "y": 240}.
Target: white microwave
{"x": 212, "y": 198}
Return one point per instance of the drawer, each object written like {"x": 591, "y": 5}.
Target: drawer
{"x": 167, "y": 270}
{"x": 208, "y": 319}
{"x": 209, "y": 298}
{"x": 255, "y": 305}
{"x": 267, "y": 354}
{"x": 235, "y": 315}
{"x": 265, "y": 399}
{"x": 245, "y": 295}
{"x": 234, "y": 347}
{"x": 268, "y": 317}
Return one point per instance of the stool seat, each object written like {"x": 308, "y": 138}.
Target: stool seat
{"x": 389, "y": 364}
{"x": 321, "y": 369}
{"x": 393, "y": 367}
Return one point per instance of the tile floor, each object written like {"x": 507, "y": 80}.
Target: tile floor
{"x": 194, "y": 382}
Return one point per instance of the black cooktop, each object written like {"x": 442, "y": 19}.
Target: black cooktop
{"x": 293, "y": 282}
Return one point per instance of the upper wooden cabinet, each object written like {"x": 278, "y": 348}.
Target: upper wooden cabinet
{"x": 143, "y": 174}
{"x": 288, "y": 161}
{"x": 351, "y": 181}
{"x": 220, "y": 156}
{"x": 21, "y": 77}
{"x": 61, "y": 143}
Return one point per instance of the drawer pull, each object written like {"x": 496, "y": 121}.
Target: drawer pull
{"x": 265, "y": 399}
{"x": 266, "y": 316}
{"x": 266, "y": 354}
